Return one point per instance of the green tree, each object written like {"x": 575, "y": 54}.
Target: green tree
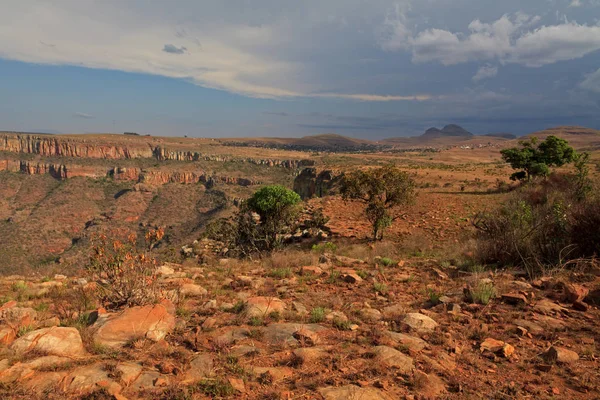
{"x": 382, "y": 190}
{"x": 532, "y": 159}
{"x": 277, "y": 208}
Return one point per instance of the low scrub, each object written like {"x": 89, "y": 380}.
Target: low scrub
{"x": 540, "y": 227}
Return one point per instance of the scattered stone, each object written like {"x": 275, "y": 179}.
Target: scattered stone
{"x": 336, "y": 316}
{"x": 352, "y": 392}
{"x": 165, "y": 270}
{"x": 311, "y": 354}
{"x": 391, "y": 357}
{"x": 352, "y": 278}
{"x": 515, "y": 299}
{"x": 412, "y": 343}
{"x": 497, "y": 347}
{"x": 574, "y": 293}
{"x": 152, "y": 322}
{"x": 371, "y": 315}
{"x": 299, "y": 308}
{"x": 429, "y": 386}
{"x": 306, "y": 336}
{"x": 531, "y": 327}
{"x": 560, "y": 355}
{"x": 546, "y": 306}
{"x": 262, "y": 306}
{"x": 129, "y": 372}
{"x": 311, "y": 270}
{"x": 419, "y": 323}
{"x": 580, "y": 306}
{"x": 201, "y": 366}
{"x": 273, "y": 374}
{"x": 192, "y": 290}
{"x": 283, "y": 332}
{"x": 237, "y": 384}
{"x": 57, "y": 341}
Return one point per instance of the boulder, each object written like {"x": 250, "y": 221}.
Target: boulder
{"x": 497, "y": 347}
{"x": 201, "y": 366}
{"x": 57, "y": 341}
{"x": 412, "y": 343}
{"x": 152, "y": 322}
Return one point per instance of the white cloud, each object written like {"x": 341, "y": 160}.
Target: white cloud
{"x": 591, "y": 82}
{"x": 485, "y": 72}
{"x": 506, "y": 40}
{"x": 244, "y": 53}
{"x": 83, "y": 115}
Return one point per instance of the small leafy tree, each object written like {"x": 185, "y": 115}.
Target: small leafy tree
{"x": 533, "y": 159}
{"x": 277, "y": 207}
{"x": 382, "y": 190}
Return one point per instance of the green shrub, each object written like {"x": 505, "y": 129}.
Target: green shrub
{"x": 317, "y": 315}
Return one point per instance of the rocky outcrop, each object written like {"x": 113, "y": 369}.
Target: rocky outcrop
{"x": 55, "y": 146}
{"x": 57, "y": 171}
{"x": 310, "y": 184}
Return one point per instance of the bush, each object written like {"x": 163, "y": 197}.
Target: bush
{"x": 540, "y": 227}
{"x": 124, "y": 276}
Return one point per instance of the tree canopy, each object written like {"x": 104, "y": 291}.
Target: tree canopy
{"x": 535, "y": 158}
{"x": 382, "y": 190}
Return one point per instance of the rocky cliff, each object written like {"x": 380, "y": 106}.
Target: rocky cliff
{"x": 51, "y": 146}
{"x": 309, "y": 183}
{"x": 154, "y": 177}
{"x": 163, "y": 154}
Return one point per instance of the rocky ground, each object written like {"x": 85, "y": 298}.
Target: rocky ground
{"x": 327, "y": 327}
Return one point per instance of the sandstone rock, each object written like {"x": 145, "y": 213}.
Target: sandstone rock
{"x": 129, "y": 372}
{"x": 311, "y": 270}
{"x": 336, "y": 316}
{"x": 84, "y": 379}
{"x": 349, "y": 392}
{"x": 58, "y": 341}
{"x": 165, "y": 270}
{"x": 419, "y": 323}
{"x": 391, "y": 357}
{"x": 237, "y": 384}
{"x": 309, "y": 355}
{"x": 299, "y": 308}
{"x": 352, "y": 278}
{"x": 192, "y": 290}
{"x": 273, "y": 374}
{"x": 394, "y": 312}
{"x": 546, "y": 306}
{"x": 262, "y": 306}
{"x": 515, "y": 299}
{"x": 283, "y": 332}
{"x": 574, "y": 293}
{"x": 306, "y": 336}
{"x": 152, "y": 322}
{"x": 531, "y": 327}
{"x": 429, "y": 386}
{"x": 370, "y": 315}
{"x": 560, "y": 355}
{"x": 147, "y": 380}
{"x": 497, "y": 346}
{"x": 410, "y": 342}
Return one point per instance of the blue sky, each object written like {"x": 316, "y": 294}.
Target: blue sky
{"x": 371, "y": 69}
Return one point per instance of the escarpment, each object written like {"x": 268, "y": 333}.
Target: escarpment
{"x": 49, "y": 146}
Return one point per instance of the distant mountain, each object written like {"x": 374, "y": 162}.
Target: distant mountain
{"x": 447, "y": 131}
{"x": 502, "y": 135}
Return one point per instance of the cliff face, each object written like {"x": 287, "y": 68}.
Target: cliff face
{"x": 57, "y": 171}
{"x": 49, "y": 146}
{"x": 80, "y": 148}
{"x": 163, "y": 154}
{"x": 184, "y": 177}
{"x": 310, "y": 184}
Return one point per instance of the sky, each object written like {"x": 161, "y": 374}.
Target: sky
{"x": 238, "y": 68}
